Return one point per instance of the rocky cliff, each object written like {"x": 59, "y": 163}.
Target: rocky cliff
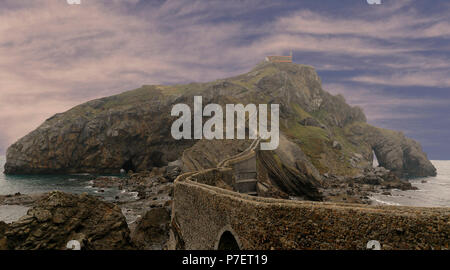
{"x": 132, "y": 131}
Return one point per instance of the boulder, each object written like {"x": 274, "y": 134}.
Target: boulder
{"x": 337, "y": 145}
{"x": 58, "y": 218}
{"x": 152, "y": 230}
{"x": 172, "y": 172}
{"x": 309, "y": 121}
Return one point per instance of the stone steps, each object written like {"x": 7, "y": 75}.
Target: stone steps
{"x": 246, "y": 185}
{"x": 246, "y": 175}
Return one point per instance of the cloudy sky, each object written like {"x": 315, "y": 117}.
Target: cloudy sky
{"x": 391, "y": 59}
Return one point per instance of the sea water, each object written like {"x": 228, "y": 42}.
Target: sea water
{"x": 432, "y": 191}
{"x": 71, "y": 183}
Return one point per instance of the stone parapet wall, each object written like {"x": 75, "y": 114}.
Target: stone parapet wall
{"x": 202, "y": 213}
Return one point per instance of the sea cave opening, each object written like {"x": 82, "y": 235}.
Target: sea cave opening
{"x": 128, "y": 166}
{"x": 228, "y": 242}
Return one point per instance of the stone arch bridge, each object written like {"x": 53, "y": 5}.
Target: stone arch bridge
{"x": 207, "y": 214}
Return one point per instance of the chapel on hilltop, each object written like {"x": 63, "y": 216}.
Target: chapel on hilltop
{"x": 279, "y": 58}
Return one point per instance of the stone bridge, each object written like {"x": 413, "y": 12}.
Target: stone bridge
{"x": 216, "y": 209}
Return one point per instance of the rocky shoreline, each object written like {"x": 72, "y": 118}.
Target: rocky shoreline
{"x": 148, "y": 216}
{"x": 359, "y": 189}
{"x": 144, "y": 223}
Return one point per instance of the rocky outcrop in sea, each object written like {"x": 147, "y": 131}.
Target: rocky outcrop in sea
{"x": 321, "y": 134}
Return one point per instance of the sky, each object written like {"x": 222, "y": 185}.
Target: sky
{"x": 391, "y": 59}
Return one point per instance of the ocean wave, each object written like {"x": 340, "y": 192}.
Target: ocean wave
{"x": 383, "y": 202}
{"x": 134, "y": 194}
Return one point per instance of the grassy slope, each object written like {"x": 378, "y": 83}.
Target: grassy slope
{"x": 314, "y": 141}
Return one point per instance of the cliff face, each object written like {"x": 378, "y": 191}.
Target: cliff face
{"x": 132, "y": 130}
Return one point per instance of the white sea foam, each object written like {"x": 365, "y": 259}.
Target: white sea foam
{"x": 432, "y": 191}
{"x": 378, "y": 201}
{"x": 134, "y": 194}
{"x": 11, "y": 213}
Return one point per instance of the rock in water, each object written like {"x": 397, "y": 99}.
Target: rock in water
{"x": 131, "y": 131}
{"x": 59, "y": 218}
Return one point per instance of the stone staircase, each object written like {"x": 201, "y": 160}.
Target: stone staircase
{"x": 246, "y": 183}
{"x": 244, "y": 169}
{"x": 245, "y": 175}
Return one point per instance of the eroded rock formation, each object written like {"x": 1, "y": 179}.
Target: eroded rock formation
{"x": 59, "y": 217}
{"x": 395, "y": 152}
{"x": 131, "y": 131}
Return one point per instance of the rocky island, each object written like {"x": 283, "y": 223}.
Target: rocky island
{"x": 326, "y": 149}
